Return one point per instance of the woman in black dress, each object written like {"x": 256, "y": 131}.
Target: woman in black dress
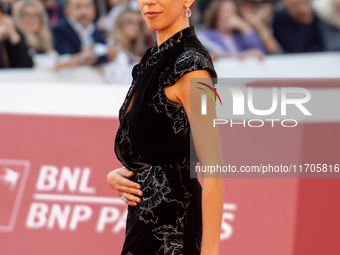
{"x": 167, "y": 208}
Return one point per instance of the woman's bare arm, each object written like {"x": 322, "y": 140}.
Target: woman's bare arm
{"x": 207, "y": 146}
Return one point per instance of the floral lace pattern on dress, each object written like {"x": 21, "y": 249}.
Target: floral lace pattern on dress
{"x": 169, "y": 214}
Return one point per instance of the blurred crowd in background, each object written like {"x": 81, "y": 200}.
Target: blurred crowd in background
{"x": 112, "y": 35}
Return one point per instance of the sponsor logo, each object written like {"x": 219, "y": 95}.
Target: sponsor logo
{"x": 13, "y": 177}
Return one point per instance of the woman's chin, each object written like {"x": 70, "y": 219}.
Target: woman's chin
{"x": 153, "y": 26}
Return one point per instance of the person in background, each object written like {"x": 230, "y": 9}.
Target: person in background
{"x": 77, "y": 36}
{"x": 126, "y": 46}
{"x": 13, "y": 50}
{"x": 107, "y": 22}
{"x": 104, "y": 7}
{"x": 259, "y": 14}
{"x": 297, "y": 28}
{"x": 6, "y": 6}
{"x": 110, "y": 4}
{"x": 31, "y": 20}
{"x": 202, "y": 5}
{"x": 226, "y": 34}
{"x": 329, "y": 13}
{"x": 54, "y": 10}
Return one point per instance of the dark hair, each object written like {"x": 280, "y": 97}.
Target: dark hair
{"x": 5, "y": 8}
{"x": 211, "y": 14}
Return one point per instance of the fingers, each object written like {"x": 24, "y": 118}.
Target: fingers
{"x": 121, "y": 176}
{"x": 123, "y": 189}
{"x": 129, "y": 184}
{"x": 125, "y": 172}
{"x": 131, "y": 203}
{"x": 118, "y": 181}
{"x": 131, "y": 198}
{"x": 126, "y": 182}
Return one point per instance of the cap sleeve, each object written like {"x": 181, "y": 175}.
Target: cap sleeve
{"x": 186, "y": 62}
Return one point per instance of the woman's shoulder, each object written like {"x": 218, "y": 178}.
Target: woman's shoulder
{"x": 192, "y": 43}
{"x": 193, "y": 57}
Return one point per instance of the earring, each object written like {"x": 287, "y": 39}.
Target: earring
{"x": 188, "y": 12}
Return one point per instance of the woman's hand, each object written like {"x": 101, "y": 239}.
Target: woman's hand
{"x": 113, "y": 51}
{"x": 7, "y": 29}
{"x": 237, "y": 23}
{"x": 84, "y": 58}
{"x": 119, "y": 182}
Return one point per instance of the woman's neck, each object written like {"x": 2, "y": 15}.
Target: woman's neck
{"x": 163, "y": 35}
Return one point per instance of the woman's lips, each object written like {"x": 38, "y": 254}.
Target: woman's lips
{"x": 152, "y": 15}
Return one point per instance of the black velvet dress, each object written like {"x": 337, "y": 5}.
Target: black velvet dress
{"x": 153, "y": 140}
